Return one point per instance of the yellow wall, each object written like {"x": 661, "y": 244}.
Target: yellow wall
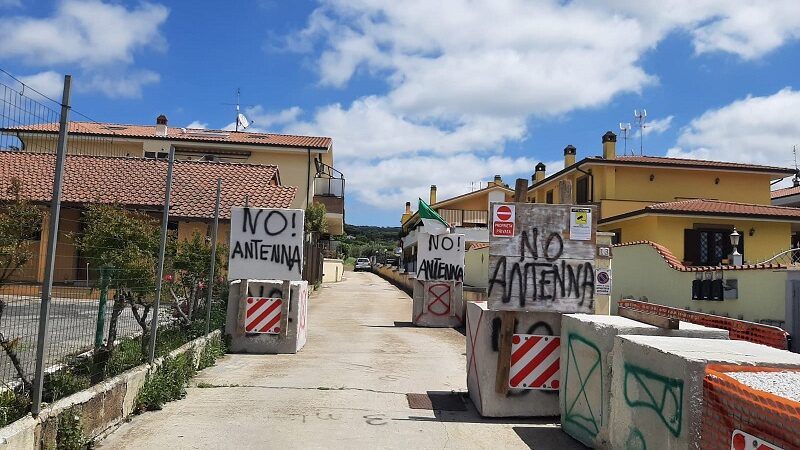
{"x": 187, "y": 229}
{"x": 476, "y": 268}
{"x": 769, "y": 238}
{"x": 639, "y": 271}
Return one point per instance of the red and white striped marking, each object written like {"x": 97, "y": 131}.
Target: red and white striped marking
{"x": 746, "y": 441}
{"x": 263, "y": 315}
{"x": 534, "y": 362}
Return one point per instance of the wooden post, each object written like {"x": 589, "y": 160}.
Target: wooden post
{"x": 521, "y": 190}
{"x": 504, "y": 352}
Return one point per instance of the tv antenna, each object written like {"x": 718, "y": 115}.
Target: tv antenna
{"x": 625, "y": 127}
{"x": 640, "y": 117}
{"x": 796, "y": 179}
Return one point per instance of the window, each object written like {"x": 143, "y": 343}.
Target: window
{"x": 708, "y": 247}
{"x": 549, "y": 197}
{"x": 156, "y": 155}
{"x": 617, "y": 238}
{"x": 582, "y": 190}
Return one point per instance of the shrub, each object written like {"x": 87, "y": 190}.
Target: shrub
{"x": 70, "y": 431}
{"x": 13, "y": 406}
{"x": 63, "y": 383}
{"x": 166, "y": 383}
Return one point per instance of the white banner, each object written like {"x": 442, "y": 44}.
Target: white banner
{"x": 266, "y": 244}
{"x": 440, "y": 257}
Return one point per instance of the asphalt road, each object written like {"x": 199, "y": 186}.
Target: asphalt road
{"x": 346, "y": 389}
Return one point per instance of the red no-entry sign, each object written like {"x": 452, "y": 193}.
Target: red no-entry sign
{"x": 503, "y": 221}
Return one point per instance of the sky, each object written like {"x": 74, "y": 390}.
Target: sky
{"x": 421, "y": 92}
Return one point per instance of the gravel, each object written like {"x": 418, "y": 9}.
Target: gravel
{"x": 782, "y": 384}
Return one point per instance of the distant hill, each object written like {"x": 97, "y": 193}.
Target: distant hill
{"x": 373, "y": 234}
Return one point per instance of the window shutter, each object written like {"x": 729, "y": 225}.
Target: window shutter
{"x": 691, "y": 246}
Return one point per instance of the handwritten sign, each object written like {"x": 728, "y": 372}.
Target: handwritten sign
{"x": 266, "y": 244}
{"x": 440, "y": 257}
{"x": 541, "y": 268}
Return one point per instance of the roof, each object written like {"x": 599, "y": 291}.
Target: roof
{"x": 663, "y": 161}
{"x": 785, "y": 192}
{"x": 139, "y": 182}
{"x": 704, "y": 207}
{"x": 180, "y": 134}
{"x": 676, "y": 264}
{"x": 478, "y": 246}
{"x": 445, "y": 202}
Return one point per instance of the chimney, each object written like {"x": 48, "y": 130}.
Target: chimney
{"x": 569, "y": 155}
{"x": 498, "y": 181}
{"x": 609, "y": 145}
{"x": 433, "y": 194}
{"x": 406, "y": 214}
{"x": 161, "y": 126}
{"x": 539, "y": 174}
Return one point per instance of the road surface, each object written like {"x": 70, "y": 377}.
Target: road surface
{"x": 346, "y": 389}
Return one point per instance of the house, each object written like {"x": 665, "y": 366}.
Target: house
{"x": 305, "y": 161}
{"x": 135, "y": 183}
{"x": 689, "y": 206}
{"x": 468, "y": 214}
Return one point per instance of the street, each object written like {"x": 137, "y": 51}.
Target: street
{"x": 346, "y": 389}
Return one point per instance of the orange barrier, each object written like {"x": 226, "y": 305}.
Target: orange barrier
{"x": 729, "y": 405}
{"x": 738, "y": 329}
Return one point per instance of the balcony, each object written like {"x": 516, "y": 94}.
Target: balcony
{"x": 465, "y": 217}
{"x": 330, "y": 192}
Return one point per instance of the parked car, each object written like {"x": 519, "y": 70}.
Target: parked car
{"x": 362, "y": 264}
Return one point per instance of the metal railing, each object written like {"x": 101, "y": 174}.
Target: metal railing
{"x": 465, "y": 217}
{"x": 786, "y": 258}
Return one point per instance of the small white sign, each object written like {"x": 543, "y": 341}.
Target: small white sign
{"x": 580, "y": 224}
{"x": 602, "y": 282}
{"x": 266, "y": 244}
{"x": 503, "y": 218}
{"x": 440, "y": 257}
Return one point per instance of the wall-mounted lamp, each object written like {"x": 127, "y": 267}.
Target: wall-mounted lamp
{"x": 716, "y": 180}
{"x": 652, "y": 177}
{"x": 752, "y": 231}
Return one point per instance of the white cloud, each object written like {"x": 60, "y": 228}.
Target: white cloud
{"x": 754, "y": 129}
{"x": 99, "y": 38}
{"x": 198, "y": 125}
{"x": 656, "y": 126}
{"x": 464, "y": 77}
{"x": 49, "y": 83}
{"x": 263, "y": 121}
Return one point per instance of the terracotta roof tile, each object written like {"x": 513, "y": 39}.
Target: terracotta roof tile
{"x": 478, "y": 245}
{"x": 139, "y": 182}
{"x": 181, "y": 134}
{"x": 698, "y": 162}
{"x": 785, "y": 192}
{"x": 674, "y": 263}
{"x": 719, "y": 207}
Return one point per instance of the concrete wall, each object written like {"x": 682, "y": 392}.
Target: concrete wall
{"x": 587, "y": 349}
{"x": 294, "y": 331}
{"x": 657, "y": 386}
{"x": 438, "y": 304}
{"x": 102, "y": 406}
{"x": 639, "y": 271}
{"x": 476, "y": 268}
{"x": 332, "y": 270}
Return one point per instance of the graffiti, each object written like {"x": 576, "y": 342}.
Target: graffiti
{"x": 440, "y": 292}
{"x": 530, "y": 282}
{"x": 435, "y": 269}
{"x": 635, "y": 440}
{"x": 644, "y": 388}
{"x": 375, "y": 419}
{"x": 440, "y": 257}
{"x": 580, "y": 411}
{"x": 302, "y": 305}
{"x": 266, "y": 243}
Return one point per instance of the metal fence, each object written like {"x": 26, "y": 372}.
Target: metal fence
{"x": 82, "y": 284}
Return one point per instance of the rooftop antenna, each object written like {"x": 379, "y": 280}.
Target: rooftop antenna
{"x": 640, "y": 117}
{"x": 625, "y": 127}
{"x": 238, "y": 93}
{"x": 796, "y": 179}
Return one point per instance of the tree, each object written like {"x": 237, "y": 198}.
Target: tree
{"x": 189, "y": 284}
{"x": 20, "y": 222}
{"x": 315, "y": 219}
{"x": 126, "y": 242}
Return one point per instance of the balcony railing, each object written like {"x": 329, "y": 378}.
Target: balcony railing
{"x": 331, "y": 187}
{"x": 465, "y": 217}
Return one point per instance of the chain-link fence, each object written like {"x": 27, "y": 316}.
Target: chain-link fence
{"x": 82, "y": 258}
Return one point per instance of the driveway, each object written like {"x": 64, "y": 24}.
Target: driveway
{"x": 346, "y": 389}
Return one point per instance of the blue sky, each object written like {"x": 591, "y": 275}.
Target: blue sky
{"x": 421, "y": 92}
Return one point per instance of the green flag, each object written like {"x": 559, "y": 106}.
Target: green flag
{"x": 433, "y": 222}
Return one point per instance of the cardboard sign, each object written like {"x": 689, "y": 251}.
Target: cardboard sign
{"x": 440, "y": 257}
{"x": 602, "y": 285}
{"x": 540, "y": 268}
{"x": 266, "y": 244}
{"x": 503, "y": 220}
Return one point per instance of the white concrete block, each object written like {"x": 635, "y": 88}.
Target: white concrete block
{"x": 657, "y": 387}
{"x": 438, "y": 304}
{"x": 587, "y": 344}
{"x": 290, "y": 340}
{"x": 483, "y": 327}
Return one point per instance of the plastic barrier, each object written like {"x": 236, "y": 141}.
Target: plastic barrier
{"x": 738, "y": 329}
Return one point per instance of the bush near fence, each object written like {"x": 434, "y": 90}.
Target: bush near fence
{"x": 729, "y": 405}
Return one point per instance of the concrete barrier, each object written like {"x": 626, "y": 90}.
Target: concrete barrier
{"x": 294, "y": 330}
{"x": 438, "y": 304}
{"x": 657, "y": 387}
{"x": 587, "y": 348}
{"x": 482, "y": 354}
